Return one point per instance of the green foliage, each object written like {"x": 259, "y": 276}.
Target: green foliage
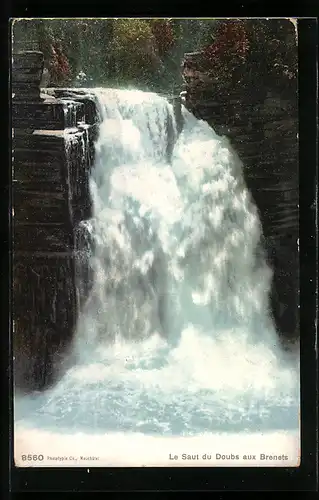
{"x": 131, "y": 33}
{"x": 274, "y": 53}
{"x": 147, "y": 53}
{"x": 133, "y": 51}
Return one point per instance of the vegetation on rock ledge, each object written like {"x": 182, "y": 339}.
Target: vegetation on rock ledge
{"x": 148, "y": 53}
{"x": 140, "y": 52}
{"x": 245, "y": 53}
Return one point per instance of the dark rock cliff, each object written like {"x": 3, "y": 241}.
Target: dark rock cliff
{"x": 52, "y": 153}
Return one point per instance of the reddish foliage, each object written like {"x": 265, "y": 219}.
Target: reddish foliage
{"x": 231, "y": 43}
{"x": 163, "y": 33}
{"x": 59, "y": 65}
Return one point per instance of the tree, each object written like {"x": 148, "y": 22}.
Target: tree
{"x": 134, "y": 50}
{"x": 229, "y": 51}
{"x": 145, "y": 53}
{"x": 275, "y": 40}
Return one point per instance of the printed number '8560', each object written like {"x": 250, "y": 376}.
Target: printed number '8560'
{"x": 34, "y": 458}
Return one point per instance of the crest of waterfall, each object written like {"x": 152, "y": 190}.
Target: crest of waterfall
{"x": 176, "y": 235}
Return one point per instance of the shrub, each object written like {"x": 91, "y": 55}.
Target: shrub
{"x": 229, "y": 50}
{"x": 163, "y": 32}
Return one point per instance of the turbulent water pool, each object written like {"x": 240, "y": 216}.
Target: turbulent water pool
{"x": 175, "y": 351}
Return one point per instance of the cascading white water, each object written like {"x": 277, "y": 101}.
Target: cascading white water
{"x": 175, "y": 338}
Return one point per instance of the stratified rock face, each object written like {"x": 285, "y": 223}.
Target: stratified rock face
{"x": 261, "y": 121}
{"x": 26, "y": 74}
{"x": 52, "y": 154}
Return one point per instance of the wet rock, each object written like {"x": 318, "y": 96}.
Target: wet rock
{"x": 52, "y": 154}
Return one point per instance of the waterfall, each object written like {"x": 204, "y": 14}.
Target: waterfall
{"x": 175, "y": 339}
